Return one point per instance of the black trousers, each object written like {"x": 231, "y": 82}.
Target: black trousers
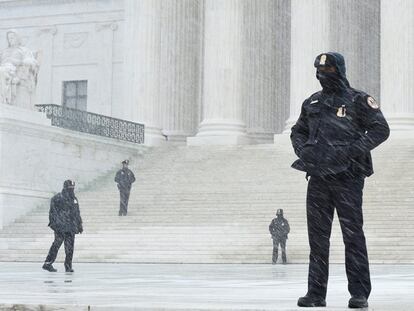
{"x": 276, "y": 243}
{"x": 343, "y": 192}
{"x": 60, "y": 237}
{"x": 123, "y": 206}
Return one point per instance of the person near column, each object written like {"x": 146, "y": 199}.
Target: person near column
{"x": 333, "y": 137}
{"x": 124, "y": 179}
{"x": 65, "y": 220}
{"x": 279, "y": 230}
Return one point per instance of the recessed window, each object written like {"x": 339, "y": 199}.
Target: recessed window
{"x": 75, "y": 94}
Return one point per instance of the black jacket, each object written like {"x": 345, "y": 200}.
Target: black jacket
{"x": 64, "y": 214}
{"x": 279, "y": 228}
{"x": 336, "y": 132}
{"x": 124, "y": 178}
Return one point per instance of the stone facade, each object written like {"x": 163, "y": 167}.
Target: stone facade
{"x": 74, "y": 40}
{"x": 35, "y": 159}
{"x": 213, "y": 71}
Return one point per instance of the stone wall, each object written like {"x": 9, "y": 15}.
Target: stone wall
{"x": 74, "y": 40}
{"x": 184, "y": 72}
{"x": 35, "y": 159}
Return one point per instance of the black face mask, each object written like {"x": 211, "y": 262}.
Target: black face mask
{"x": 70, "y": 192}
{"x": 330, "y": 81}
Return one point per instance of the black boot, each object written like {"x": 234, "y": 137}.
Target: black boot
{"x": 357, "y": 302}
{"x": 311, "y": 301}
{"x": 49, "y": 267}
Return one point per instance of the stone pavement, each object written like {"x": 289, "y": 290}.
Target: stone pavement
{"x": 189, "y": 287}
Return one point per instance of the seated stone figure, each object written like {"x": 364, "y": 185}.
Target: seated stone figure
{"x": 18, "y": 73}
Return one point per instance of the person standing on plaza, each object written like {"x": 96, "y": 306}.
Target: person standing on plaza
{"x": 279, "y": 229}
{"x": 65, "y": 220}
{"x": 336, "y": 130}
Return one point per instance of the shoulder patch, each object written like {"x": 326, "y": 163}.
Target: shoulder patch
{"x": 313, "y": 99}
{"x": 372, "y": 103}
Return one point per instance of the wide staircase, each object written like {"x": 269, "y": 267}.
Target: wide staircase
{"x": 214, "y": 205}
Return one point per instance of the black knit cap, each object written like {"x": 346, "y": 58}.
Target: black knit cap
{"x": 125, "y": 162}
{"x": 68, "y": 184}
{"x": 333, "y": 59}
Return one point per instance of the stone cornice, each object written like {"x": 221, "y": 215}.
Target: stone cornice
{"x": 48, "y": 30}
{"x": 16, "y": 3}
{"x": 110, "y": 25}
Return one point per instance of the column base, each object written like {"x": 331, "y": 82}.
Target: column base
{"x": 218, "y": 140}
{"x": 289, "y": 123}
{"x": 400, "y": 122}
{"x": 261, "y": 138}
{"x": 282, "y": 138}
{"x": 177, "y": 137}
{"x": 153, "y": 136}
{"x": 220, "y": 132}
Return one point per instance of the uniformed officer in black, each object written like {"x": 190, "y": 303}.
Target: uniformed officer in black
{"x": 65, "y": 221}
{"x": 279, "y": 229}
{"x": 124, "y": 179}
{"x": 333, "y": 137}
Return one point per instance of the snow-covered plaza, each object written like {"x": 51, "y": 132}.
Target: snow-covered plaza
{"x": 190, "y": 287}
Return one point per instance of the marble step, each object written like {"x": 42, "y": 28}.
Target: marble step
{"x": 231, "y": 194}
{"x": 202, "y": 220}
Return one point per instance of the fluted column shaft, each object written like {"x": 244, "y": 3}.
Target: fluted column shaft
{"x": 310, "y": 37}
{"x": 397, "y": 63}
{"x": 349, "y": 27}
{"x": 266, "y": 67}
{"x": 142, "y": 65}
{"x": 355, "y": 33}
{"x": 180, "y": 67}
{"x": 222, "y": 81}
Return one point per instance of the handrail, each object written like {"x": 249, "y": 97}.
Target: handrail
{"x": 93, "y": 123}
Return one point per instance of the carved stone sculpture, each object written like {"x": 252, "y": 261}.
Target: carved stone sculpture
{"x": 18, "y": 73}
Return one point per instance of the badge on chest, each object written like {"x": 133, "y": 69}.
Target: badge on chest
{"x": 341, "y": 113}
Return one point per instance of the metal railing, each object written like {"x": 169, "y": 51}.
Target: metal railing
{"x": 92, "y": 123}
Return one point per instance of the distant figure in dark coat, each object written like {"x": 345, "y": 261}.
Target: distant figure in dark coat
{"x": 124, "y": 178}
{"x": 279, "y": 229}
{"x": 65, "y": 221}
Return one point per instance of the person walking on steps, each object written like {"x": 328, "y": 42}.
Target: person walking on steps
{"x": 124, "y": 179}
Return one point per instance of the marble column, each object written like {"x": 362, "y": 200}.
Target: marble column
{"x": 397, "y": 63}
{"x": 142, "y": 66}
{"x": 105, "y": 35}
{"x": 45, "y": 39}
{"x": 309, "y": 37}
{"x": 355, "y": 33}
{"x": 349, "y": 27}
{"x": 266, "y": 67}
{"x": 222, "y": 119}
{"x": 180, "y": 67}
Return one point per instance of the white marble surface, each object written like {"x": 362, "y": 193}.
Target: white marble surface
{"x": 49, "y": 155}
{"x": 190, "y": 287}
